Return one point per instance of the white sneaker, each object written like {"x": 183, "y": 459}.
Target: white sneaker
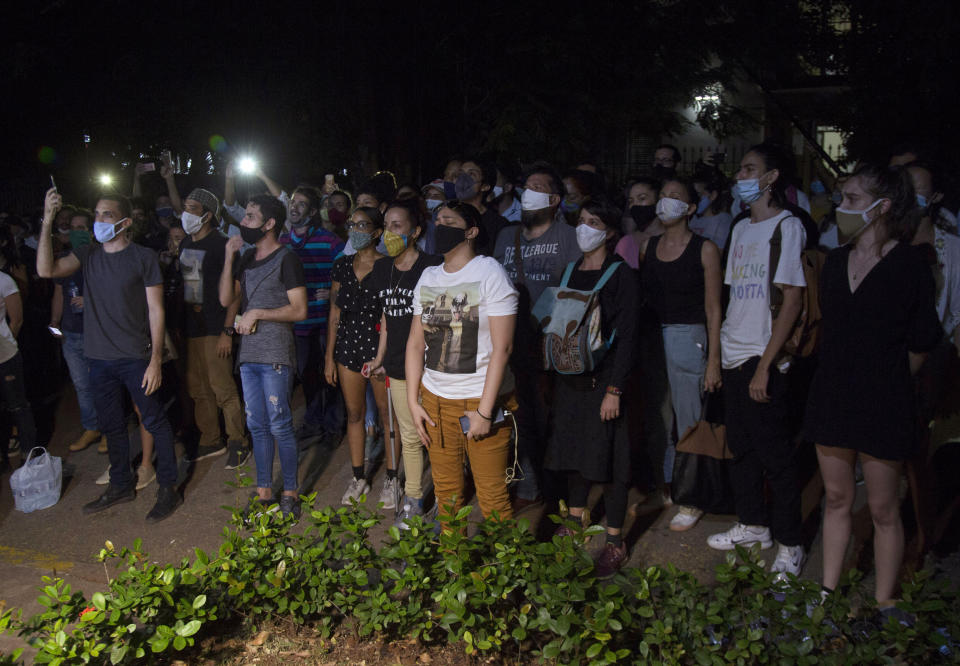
{"x": 145, "y": 475}
{"x": 355, "y": 489}
{"x": 687, "y": 517}
{"x": 104, "y": 478}
{"x": 741, "y": 535}
{"x": 790, "y": 560}
{"x": 390, "y": 494}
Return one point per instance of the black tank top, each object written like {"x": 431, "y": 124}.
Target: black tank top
{"x": 675, "y": 288}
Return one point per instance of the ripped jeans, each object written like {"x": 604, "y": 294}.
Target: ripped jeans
{"x": 266, "y": 392}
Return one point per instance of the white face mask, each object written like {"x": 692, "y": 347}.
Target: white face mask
{"x": 671, "y": 209}
{"x": 497, "y": 191}
{"x": 588, "y": 238}
{"x": 534, "y": 200}
{"x": 191, "y": 223}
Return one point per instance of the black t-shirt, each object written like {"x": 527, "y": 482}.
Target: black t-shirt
{"x": 492, "y": 223}
{"x": 70, "y": 321}
{"x": 394, "y": 289}
{"x": 201, "y": 263}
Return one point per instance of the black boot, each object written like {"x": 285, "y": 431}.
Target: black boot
{"x": 168, "y": 499}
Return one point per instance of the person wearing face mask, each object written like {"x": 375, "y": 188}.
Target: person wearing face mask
{"x": 587, "y": 408}
{"x": 534, "y": 255}
{"x": 474, "y": 184}
{"x": 754, "y": 380}
{"x": 642, "y": 206}
{"x": 464, "y": 312}
{"x": 352, "y": 338}
{"x": 879, "y": 321}
{"x": 316, "y": 248}
{"x": 713, "y": 219}
{"x": 123, "y": 331}
{"x": 66, "y": 314}
{"x": 681, "y": 279}
{"x": 666, "y": 159}
{"x": 269, "y": 284}
{"x": 504, "y": 197}
{"x": 392, "y": 280}
{"x": 209, "y": 331}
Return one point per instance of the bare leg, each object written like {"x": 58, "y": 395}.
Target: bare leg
{"x": 146, "y": 442}
{"x": 883, "y": 482}
{"x": 837, "y": 470}
{"x": 354, "y": 387}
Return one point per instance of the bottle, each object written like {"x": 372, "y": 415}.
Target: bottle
{"x": 74, "y": 292}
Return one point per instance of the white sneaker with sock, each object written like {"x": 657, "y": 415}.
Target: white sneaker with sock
{"x": 790, "y": 560}
{"x": 741, "y": 535}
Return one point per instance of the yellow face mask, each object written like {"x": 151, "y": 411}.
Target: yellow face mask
{"x": 395, "y": 243}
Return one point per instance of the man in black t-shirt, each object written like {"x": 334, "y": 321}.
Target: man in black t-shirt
{"x": 209, "y": 332}
{"x": 123, "y": 327}
{"x": 474, "y": 184}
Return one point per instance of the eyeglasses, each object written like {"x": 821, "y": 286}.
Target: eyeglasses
{"x": 358, "y": 226}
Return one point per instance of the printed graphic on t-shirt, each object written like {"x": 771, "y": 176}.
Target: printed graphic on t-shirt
{"x": 540, "y": 261}
{"x": 748, "y": 277}
{"x": 191, "y": 265}
{"x": 451, "y": 319}
{"x": 397, "y": 301}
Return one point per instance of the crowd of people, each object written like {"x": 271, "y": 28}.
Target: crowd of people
{"x": 443, "y": 312}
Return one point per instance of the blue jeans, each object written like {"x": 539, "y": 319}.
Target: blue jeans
{"x": 685, "y": 350}
{"x": 80, "y": 375}
{"x": 266, "y": 392}
{"x": 107, "y": 381}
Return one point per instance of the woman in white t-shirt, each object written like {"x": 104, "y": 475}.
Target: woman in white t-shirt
{"x": 464, "y": 314}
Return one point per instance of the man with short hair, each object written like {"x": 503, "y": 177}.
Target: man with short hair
{"x": 268, "y": 279}
{"x": 208, "y": 328}
{"x": 534, "y": 254}
{"x": 316, "y": 248}
{"x": 123, "y": 326}
{"x": 666, "y": 159}
{"x": 474, "y": 183}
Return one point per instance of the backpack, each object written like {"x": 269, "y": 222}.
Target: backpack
{"x": 805, "y": 335}
{"x": 573, "y": 342}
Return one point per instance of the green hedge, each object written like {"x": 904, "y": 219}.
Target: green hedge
{"x": 499, "y": 590}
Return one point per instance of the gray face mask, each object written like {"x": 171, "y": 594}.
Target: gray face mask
{"x": 360, "y": 239}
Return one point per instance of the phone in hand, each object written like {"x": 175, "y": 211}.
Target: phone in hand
{"x": 56, "y": 332}
{"x": 465, "y": 420}
{"x": 53, "y": 184}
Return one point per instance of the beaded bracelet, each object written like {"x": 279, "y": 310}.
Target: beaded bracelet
{"x": 613, "y": 390}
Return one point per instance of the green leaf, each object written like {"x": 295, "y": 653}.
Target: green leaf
{"x": 179, "y": 643}
{"x": 594, "y": 650}
{"x": 190, "y": 628}
{"x": 99, "y": 601}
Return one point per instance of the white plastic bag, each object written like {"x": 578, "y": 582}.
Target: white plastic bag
{"x": 37, "y": 484}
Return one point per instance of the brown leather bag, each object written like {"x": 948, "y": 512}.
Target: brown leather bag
{"x": 805, "y": 335}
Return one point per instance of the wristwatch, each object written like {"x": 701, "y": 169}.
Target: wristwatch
{"x": 229, "y": 330}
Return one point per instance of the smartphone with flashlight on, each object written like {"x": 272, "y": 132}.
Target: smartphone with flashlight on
{"x": 52, "y": 183}
{"x": 56, "y": 332}
{"x": 465, "y": 420}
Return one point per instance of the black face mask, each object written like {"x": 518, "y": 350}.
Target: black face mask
{"x": 662, "y": 173}
{"x": 446, "y": 238}
{"x": 251, "y": 235}
{"x": 643, "y": 215}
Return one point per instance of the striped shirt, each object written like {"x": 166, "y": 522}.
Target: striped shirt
{"x": 316, "y": 253}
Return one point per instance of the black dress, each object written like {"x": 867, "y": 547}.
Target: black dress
{"x": 579, "y": 441}
{"x": 358, "y": 336}
{"x": 862, "y": 396}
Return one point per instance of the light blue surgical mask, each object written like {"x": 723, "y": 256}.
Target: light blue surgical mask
{"x": 749, "y": 190}
{"x": 704, "y": 204}
{"x": 433, "y": 203}
{"x": 105, "y": 232}
{"x": 921, "y": 201}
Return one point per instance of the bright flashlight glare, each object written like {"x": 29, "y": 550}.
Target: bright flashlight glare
{"x": 247, "y": 165}
{"x": 105, "y": 179}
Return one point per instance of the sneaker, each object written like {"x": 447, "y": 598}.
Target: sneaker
{"x": 665, "y": 498}
{"x": 355, "y": 489}
{"x": 237, "y": 455}
{"x": 411, "y": 507}
{"x": 686, "y": 517}
{"x": 790, "y": 560}
{"x": 207, "y": 451}
{"x": 145, "y": 476}
{"x": 86, "y": 439}
{"x": 610, "y": 559}
{"x": 390, "y": 495}
{"x": 113, "y": 495}
{"x": 104, "y": 478}
{"x": 741, "y": 535}
{"x": 290, "y": 505}
{"x": 168, "y": 499}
